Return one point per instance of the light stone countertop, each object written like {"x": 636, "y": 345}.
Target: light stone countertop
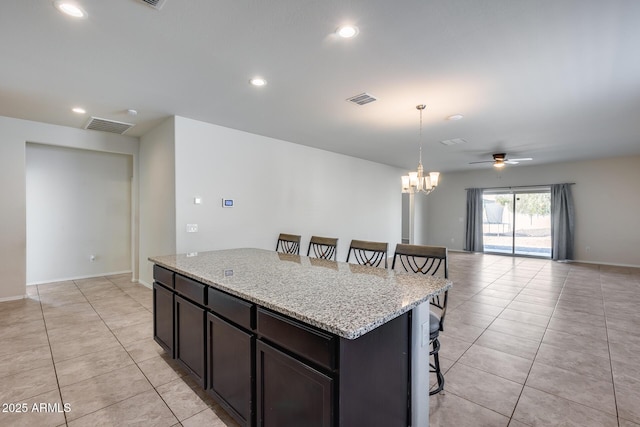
{"x": 345, "y": 299}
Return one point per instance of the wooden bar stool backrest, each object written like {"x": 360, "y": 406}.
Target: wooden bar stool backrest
{"x": 368, "y": 253}
{"x": 288, "y": 244}
{"x": 323, "y": 247}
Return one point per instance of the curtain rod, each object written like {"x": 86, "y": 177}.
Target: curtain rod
{"x": 521, "y": 186}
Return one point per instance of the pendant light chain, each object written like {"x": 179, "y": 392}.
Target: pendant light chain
{"x": 423, "y": 106}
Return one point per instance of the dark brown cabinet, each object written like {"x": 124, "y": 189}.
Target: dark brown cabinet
{"x": 163, "y": 332}
{"x": 290, "y": 393}
{"x": 190, "y": 338}
{"x": 270, "y": 370}
{"x": 230, "y": 367}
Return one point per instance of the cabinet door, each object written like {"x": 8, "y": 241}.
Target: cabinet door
{"x": 163, "y": 317}
{"x": 290, "y": 393}
{"x": 189, "y": 338}
{"x": 230, "y": 367}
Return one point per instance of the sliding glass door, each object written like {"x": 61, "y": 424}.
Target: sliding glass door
{"x": 517, "y": 222}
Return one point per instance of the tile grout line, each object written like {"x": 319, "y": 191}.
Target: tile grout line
{"x": 122, "y": 345}
{"x": 55, "y": 371}
{"x": 539, "y": 344}
{"x": 610, "y": 361}
{"x": 485, "y": 329}
{"x": 606, "y": 328}
{"x": 155, "y": 389}
{"x": 538, "y": 349}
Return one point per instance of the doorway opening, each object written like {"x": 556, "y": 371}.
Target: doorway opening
{"x": 517, "y": 222}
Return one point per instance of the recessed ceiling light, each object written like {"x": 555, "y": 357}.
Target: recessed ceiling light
{"x": 455, "y": 117}
{"x": 70, "y": 8}
{"x": 258, "y": 81}
{"x": 347, "y": 31}
{"x": 78, "y": 110}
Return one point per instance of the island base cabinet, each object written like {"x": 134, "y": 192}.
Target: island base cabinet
{"x": 163, "y": 317}
{"x": 190, "y": 338}
{"x": 289, "y": 392}
{"x": 230, "y": 368}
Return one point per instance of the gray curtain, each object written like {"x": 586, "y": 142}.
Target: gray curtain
{"x": 562, "y": 222}
{"x": 473, "y": 230}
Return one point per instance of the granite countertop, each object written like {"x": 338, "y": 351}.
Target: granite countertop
{"x": 345, "y": 299}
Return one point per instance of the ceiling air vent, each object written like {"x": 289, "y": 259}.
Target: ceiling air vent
{"x": 104, "y": 125}
{"x": 156, "y": 4}
{"x": 362, "y": 99}
{"x": 454, "y": 141}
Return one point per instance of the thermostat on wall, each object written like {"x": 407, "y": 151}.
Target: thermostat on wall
{"x": 227, "y": 203}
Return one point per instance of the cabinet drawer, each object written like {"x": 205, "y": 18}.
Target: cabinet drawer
{"x": 191, "y": 289}
{"x": 313, "y": 345}
{"x": 232, "y": 308}
{"x": 162, "y": 275}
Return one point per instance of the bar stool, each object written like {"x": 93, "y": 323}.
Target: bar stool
{"x": 368, "y": 253}
{"x": 323, "y": 247}
{"x": 288, "y": 244}
{"x": 428, "y": 260}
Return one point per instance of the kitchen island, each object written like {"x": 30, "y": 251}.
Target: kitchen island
{"x": 286, "y": 340}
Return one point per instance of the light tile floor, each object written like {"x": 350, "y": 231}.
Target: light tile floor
{"x": 530, "y": 342}
{"x": 527, "y": 342}
{"x": 89, "y": 344}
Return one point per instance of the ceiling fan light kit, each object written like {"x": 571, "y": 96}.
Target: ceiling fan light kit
{"x": 500, "y": 160}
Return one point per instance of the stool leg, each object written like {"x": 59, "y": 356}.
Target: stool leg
{"x": 435, "y": 367}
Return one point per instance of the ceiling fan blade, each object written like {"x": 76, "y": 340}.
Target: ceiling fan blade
{"x": 524, "y": 159}
{"x": 511, "y": 162}
{"x": 483, "y": 161}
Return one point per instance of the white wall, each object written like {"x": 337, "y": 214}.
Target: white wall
{"x": 14, "y": 134}
{"x": 606, "y": 198}
{"x": 78, "y": 206}
{"x": 157, "y": 196}
{"x": 277, "y": 187}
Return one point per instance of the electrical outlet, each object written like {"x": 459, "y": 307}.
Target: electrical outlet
{"x": 425, "y": 334}
{"x": 192, "y": 228}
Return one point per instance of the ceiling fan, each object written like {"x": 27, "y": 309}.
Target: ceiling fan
{"x": 500, "y": 160}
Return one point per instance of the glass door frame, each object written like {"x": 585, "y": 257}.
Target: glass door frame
{"x": 513, "y": 192}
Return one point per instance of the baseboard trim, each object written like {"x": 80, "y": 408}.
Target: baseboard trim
{"x": 145, "y": 284}
{"x": 91, "y": 276}
{"x": 568, "y": 261}
{"x": 5, "y": 299}
{"x": 608, "y": 264}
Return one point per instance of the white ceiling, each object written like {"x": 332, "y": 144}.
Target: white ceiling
{"x": 554, "y": 80}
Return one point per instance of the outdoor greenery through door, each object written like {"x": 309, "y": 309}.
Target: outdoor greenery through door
{"x": 517, "y": 222}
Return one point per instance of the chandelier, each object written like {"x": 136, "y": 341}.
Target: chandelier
{"x": 418, "y": 182}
